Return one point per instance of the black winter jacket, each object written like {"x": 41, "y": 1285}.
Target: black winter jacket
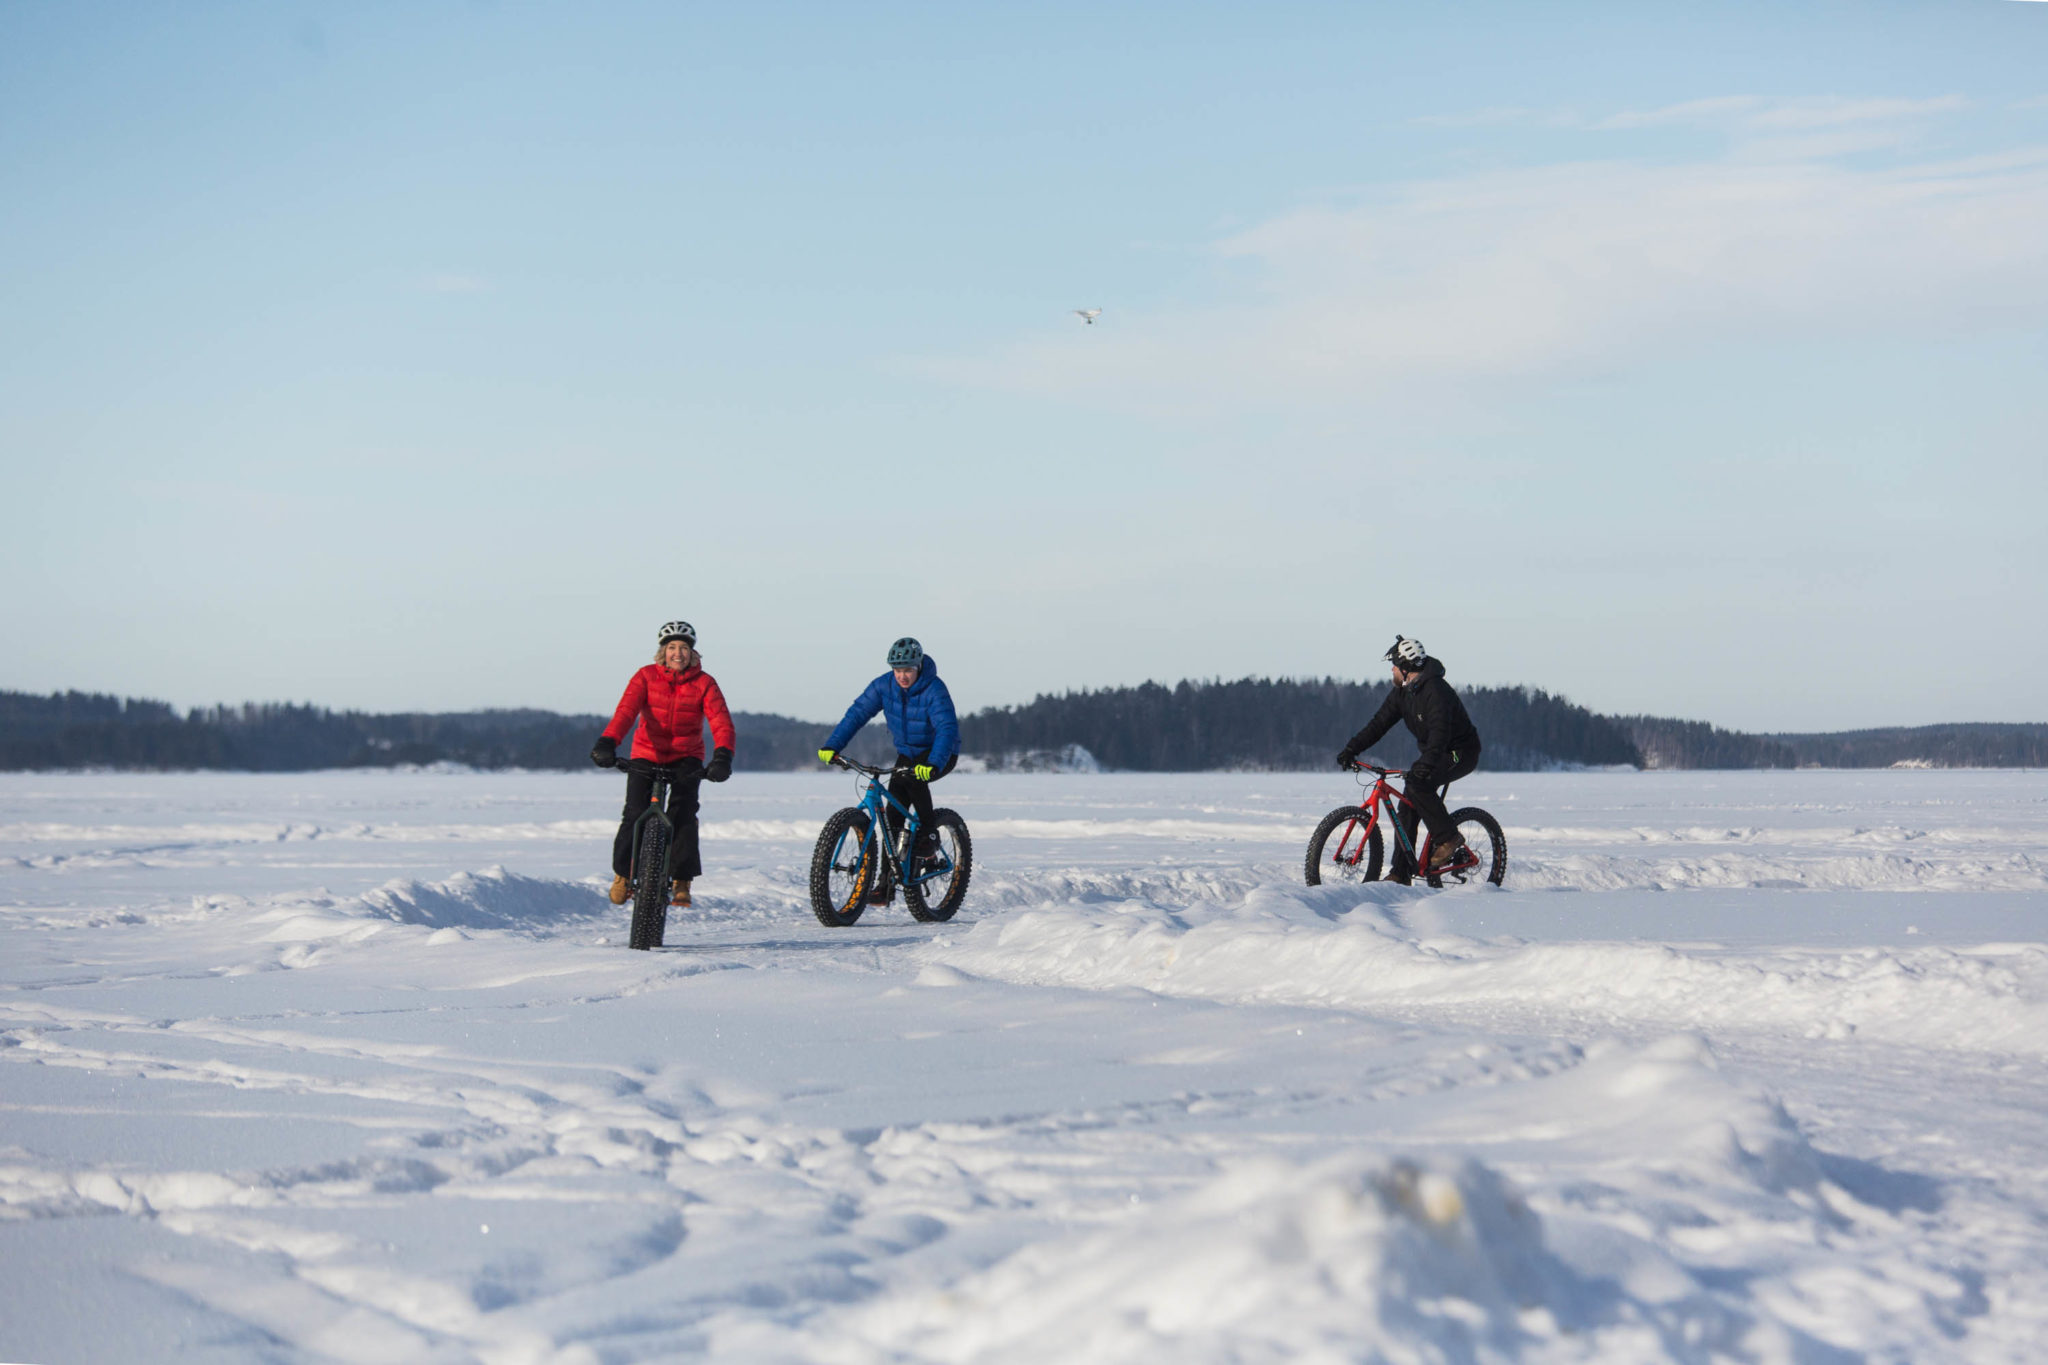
{"x": 1435, "y": 717}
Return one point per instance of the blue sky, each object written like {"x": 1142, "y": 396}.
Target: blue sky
{"x": 1683, "y": 359}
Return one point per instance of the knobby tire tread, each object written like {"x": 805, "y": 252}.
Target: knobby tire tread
{"x": 650, "y": 887}
{"x": 1375, "y": 843}
{"x": 1493, "y": 855}
{"x": 842, "y": 820}
{"x": 937, "y": 912}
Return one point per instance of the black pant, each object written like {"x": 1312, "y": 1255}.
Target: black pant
{"x": 913, "y": 793}
{"x": 1428, "y": 780}
{"x": 682, "y": 808}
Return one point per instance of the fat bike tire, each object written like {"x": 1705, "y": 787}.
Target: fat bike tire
{"x": 1337, "y": 853}
{"x": 1482, "y": 835}
{"x": 934, "y": 900}
{"x": 843, "y": 868}
{"x": 650, "y": 887}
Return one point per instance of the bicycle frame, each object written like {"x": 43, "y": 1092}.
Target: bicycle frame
{"x": 1381, "y": 791}
{"x": 877, "y": 802}
{"x": 1381, "y": 794}
{"x": 664, "y": 775}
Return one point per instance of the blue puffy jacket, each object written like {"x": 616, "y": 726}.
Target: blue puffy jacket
{"x": 920, "y": 716}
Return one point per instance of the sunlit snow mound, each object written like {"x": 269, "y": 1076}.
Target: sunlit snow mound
{"x": 1267, "y": 1262}
{"x": 490, "y": 899}
{"x": 1354, "y": 948}
{"x": 1391, "y": 1257}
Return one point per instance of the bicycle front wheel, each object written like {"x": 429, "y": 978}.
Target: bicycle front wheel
{"x": 842, "y": 868}
{"x": 1346, "y": 847}
{"x": 650, "y": 886}
{"x": 933, "y": 896}
{"x": 1485, "y": 856}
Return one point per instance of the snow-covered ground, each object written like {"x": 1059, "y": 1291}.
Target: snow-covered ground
{"x": 354, "y": 1066}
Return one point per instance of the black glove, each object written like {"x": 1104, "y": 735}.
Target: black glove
{"x": 720, "y": 766}
{"x": 1347, "y": 757}
{"x": 605, "y": 753}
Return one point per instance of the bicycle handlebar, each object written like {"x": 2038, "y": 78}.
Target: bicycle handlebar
{"x": 649, "y": 767}
{"x": 1376, "y": 768}
{"x": 842, "y": 761}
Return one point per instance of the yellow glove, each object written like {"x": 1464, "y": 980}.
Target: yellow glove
{"x": 827, "y": 755}
{"x": 922, "y": 772}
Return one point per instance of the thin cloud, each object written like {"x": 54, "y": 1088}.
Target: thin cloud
{"x": 1766, "y": 114}
{"x": 1737, "y": 114}
{"x": 1567, "y": 267}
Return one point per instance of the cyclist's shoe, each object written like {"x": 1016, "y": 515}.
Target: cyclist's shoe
{"x": 620, "y": 891}
{"x": 1446, "y": 853}
{"x": 681, "y": 894}
{"x": 883, "y": 892}
{"x": 926, "y": 856}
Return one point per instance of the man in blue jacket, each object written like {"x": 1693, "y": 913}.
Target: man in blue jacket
{"x": 919, "y": 710}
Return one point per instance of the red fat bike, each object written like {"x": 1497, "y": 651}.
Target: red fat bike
{"x": 1348, "y": 847}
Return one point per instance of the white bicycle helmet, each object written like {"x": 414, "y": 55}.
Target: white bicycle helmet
{"x": 677, "y": 630}
{"x": 1408, "y": 653}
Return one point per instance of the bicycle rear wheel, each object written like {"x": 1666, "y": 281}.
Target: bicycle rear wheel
{"x": 935, "y": 898}
{"x": 1346, "y": 847}
{"x": 650, "y": 886}
{"x": 842, "y": 868}
{"x": 1486, "y": 850}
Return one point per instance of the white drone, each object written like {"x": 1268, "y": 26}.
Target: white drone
{"x": 1088, "y": 315}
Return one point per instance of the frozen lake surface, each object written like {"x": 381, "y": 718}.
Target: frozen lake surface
{"x": 354, "y": 1066}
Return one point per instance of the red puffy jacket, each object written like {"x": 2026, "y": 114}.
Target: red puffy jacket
{"x": 672, "y": 709}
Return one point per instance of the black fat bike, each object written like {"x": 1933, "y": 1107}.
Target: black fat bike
{"x": 653, "y": 835}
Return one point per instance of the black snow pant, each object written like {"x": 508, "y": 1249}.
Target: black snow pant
{"x": 1429, "y": 778}
{"x": 914, "y": 794}
{"x": 683, "y": 861}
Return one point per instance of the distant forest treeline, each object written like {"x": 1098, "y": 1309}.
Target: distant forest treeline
{"x": 80, "y": 730}
{"x": 1193, "y": 726}
{"x": 1283, "y": 724}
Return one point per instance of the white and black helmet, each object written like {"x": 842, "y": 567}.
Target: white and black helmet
{"x": 1408, "y": 653}
{"x": 677, "y": 630}
{"x": 906, "y": 653}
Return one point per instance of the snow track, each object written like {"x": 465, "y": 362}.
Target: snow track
{"x": 384, "y": 1087}
{"x": 1346, "y": 948}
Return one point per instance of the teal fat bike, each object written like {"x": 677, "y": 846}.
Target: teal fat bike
{"x": 857, "y": 863}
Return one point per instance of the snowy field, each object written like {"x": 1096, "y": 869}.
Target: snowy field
{"x": 354, "y": 1066}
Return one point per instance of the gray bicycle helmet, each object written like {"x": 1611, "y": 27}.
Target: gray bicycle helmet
{"x": 906, "y": 653}
{"x": 1408, "y": 653}
{"x": 677, "y": 630}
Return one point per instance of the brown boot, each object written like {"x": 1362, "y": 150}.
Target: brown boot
{"x": 1446, "y": 853}
{"x": 619, "y": 891}
{"x": 681, "y": 895}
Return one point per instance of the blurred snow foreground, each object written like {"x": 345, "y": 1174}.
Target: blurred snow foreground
{"x": 1268, "y": 1259}
{"x": 354, "y": 1067}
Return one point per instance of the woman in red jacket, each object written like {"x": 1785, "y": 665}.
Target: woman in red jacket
{"x": 671, "y": 699}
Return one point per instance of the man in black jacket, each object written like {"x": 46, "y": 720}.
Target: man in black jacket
{"x": 1444, "y": 734}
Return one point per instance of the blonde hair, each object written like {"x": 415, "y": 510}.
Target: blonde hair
{"x": 661, "y": 650}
